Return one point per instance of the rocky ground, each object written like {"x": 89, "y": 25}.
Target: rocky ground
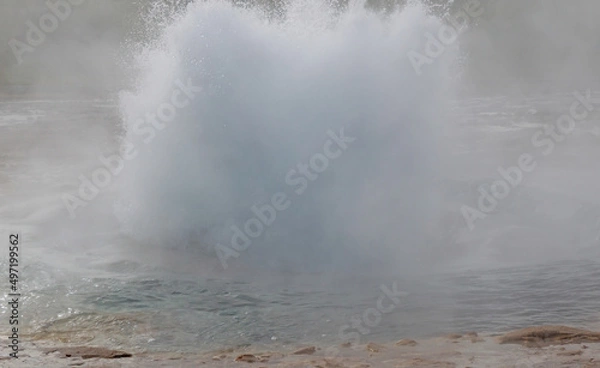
{"x": 543, "y": 346}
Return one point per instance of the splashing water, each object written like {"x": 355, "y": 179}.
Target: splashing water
{"x": 273, "y": 92}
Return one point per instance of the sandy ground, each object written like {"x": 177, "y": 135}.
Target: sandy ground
{"x": 546, "y": 346}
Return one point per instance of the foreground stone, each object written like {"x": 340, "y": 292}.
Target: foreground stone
{"x": 549, "y": 335}
{"x": 89, "y": 352}
{"x": 406, "y": 342}
{"x": 306, "y": 351}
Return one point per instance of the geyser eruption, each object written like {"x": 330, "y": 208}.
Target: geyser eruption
{"x": 307, "y": 142}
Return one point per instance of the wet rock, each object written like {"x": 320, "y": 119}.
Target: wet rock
{"x": 406, "y": 342}
{"x": 85, "y": 352}
{"x": 549, "y": 335}
{"x": 305, "y": 351}
{"x": 374, "y": 348}
{"x": 425, "y": 363}
{"x": 570, "y": 353}
{"x": 248, "y": 358}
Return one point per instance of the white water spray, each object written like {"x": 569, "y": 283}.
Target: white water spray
{"x": 271, "y": 92}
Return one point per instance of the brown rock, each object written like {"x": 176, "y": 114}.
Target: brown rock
{"x": 85, "y": 352}
{"x": 549, "y": 335}
{"x": 570, "y": 353}
{"x": 305, "y": 351}
{"x": 374, "y": 348}
{"x": 330, "y": 364}
{"x": 248, "y": 358}
{"x": 453, "y": 336}
{"x": 406, "y": 342}
{"x": 425, "y": 363}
